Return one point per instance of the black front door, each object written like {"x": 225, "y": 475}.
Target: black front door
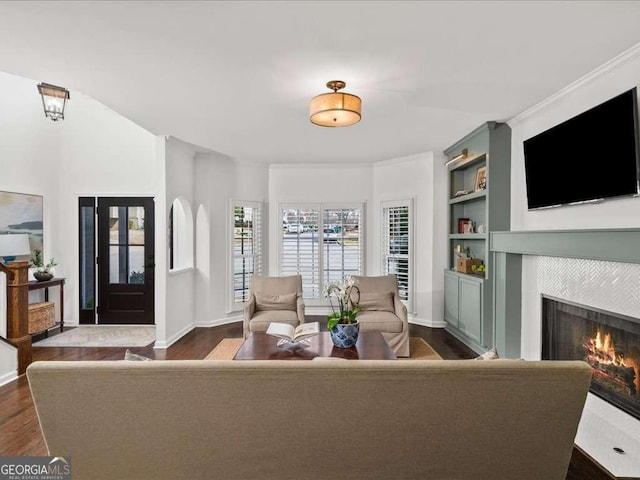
{"x": 125, "y": 260}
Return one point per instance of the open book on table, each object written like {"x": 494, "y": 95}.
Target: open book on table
{"x": 293, "y": 334}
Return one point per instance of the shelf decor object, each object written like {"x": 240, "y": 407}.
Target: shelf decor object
{"x": 337, "y": 109}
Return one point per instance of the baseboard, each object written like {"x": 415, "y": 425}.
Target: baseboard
{"x": 219, "y": 321}
{"x": 8, "y": 377}
{"x": 174, "y": 338}
{"x": 463, "y": 338}
{"x": 199, "y": 324}
{"x": 427, "y": 323}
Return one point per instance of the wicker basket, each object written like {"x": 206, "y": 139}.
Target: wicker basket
{"x": 41, "y": 316}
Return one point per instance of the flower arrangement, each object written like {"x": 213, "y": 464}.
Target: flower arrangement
{"x": 347, "y": 295}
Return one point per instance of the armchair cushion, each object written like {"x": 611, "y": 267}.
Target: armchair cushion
{"x": 377, "y": 321}
{"x": 283, "y": 301}
{"x": 376, "y": 301}
{"x": 261, "y": 320}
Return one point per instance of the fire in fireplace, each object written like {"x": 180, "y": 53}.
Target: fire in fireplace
{"x": 608, "y": 342}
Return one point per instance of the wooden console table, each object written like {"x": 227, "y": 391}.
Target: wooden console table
{"x": 54, "y": 282}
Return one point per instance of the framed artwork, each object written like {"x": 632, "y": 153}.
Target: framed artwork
{"x": 22, "y": 213}
{"x": 481, "y": 178}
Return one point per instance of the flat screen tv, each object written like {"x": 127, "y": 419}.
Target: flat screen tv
{"x": 590, "y": 157}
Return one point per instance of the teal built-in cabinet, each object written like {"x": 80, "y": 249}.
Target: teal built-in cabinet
{"x": 485, "y": 152}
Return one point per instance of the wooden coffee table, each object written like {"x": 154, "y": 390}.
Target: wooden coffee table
{"x": 260, "y": 346}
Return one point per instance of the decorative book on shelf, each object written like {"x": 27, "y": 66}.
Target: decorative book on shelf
{"x": 291, "y": 334}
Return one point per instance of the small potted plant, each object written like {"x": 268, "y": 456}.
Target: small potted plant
{"x": 342, "y": 323}
{"x": 43, "y": 272}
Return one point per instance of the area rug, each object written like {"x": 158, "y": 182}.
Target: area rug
{"x": 102, "y": 336}
{"x": 228, "y": 347}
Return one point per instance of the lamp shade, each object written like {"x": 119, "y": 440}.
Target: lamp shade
{"x": 54, "y": 99}
{"x": 14, "y": 245}
{"x": 337, "y": 109}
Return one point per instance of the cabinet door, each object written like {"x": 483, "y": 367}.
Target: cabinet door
{"x": 470, "y": 313}
{"x": 451, "y": 299}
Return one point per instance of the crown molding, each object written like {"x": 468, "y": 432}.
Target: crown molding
{"x": 333, "y": 166}
{"x": 613, "y": 64}
{"x": 409, "y": 158}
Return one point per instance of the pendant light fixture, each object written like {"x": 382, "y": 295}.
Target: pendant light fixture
{"x": 54, "y": 99}
{"x": 337, "y": 109}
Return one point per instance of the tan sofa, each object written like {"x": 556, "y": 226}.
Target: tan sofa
{"x": 280, "y": 420}
{"x": 383, "y": 311}
{"x": 273, "y": 299}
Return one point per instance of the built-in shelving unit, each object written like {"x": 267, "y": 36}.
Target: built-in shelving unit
{"x": 468, "y": 297}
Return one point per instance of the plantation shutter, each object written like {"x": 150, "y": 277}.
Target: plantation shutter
{"x": 300, "y": 252}
{"x": 247, "y": 247}
{"x": 342, "y": 243}
{"x": 396, "y": 223}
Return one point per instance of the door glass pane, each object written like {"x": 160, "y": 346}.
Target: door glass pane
{"x": 126, "y": 245}
{"x": 136, "y": 264}
{"x": 136, "y": 225}
{"x": 117, "y": 264}
{"x": 117, "y": 225}
{"x": 87, "y": 257}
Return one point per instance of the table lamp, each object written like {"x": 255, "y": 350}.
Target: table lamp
{"x": 12, "y": 245}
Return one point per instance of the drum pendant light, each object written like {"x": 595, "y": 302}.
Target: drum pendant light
{"x": 337, "y": 109}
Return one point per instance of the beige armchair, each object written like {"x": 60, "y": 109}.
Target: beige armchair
{"x": 381, "y": 310}
{"x": 273, "y": 299}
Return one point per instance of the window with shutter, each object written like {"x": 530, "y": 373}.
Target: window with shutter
{"x": 321, "y": 243}
{"x": 246, "y": 248}
{"x": 396, "y": 245}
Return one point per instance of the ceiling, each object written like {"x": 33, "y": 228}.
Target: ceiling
{"x": 237, "y": 77}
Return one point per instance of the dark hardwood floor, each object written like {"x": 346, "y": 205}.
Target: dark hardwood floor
{"x": 20, "y": 431}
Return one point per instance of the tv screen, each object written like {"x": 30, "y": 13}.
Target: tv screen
{"x": 591, "y": 156}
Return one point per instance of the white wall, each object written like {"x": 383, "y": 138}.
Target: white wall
{"x": 218, "y": 180}
{"x": 179, "y": 302}
{"x": 594, "y": 89}
{"x": 601, "y": 424}
{"x": 422, "y": 178}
